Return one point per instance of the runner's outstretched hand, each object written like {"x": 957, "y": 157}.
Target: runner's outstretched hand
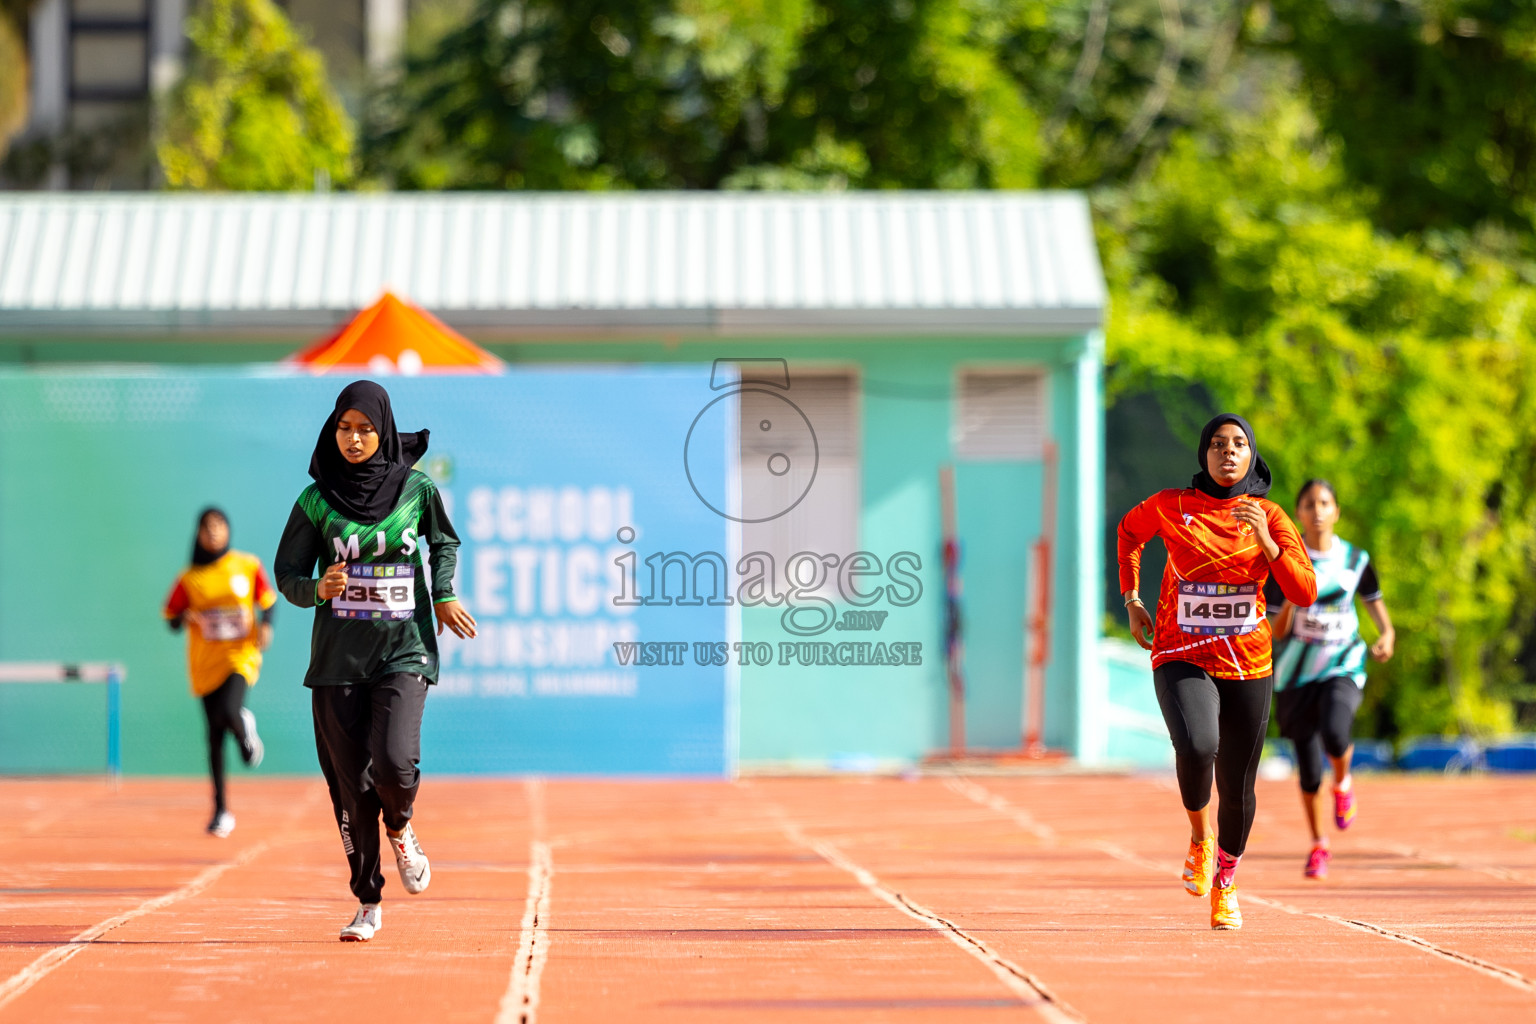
{"x": 1252, "y": 513}
{"x": 1141, "y": 623}
{"x": 1381, "y": 650}
{"x": 455, "y": 617}
{"x": 334, "y": 581}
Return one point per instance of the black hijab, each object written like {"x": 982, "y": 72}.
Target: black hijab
{"x": 200, "y": 554}
{"x": 1255, "y": 483}
{"x": 368, "y": 491}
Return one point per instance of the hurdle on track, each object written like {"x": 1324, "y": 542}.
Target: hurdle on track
{"x": 110, "y": 673}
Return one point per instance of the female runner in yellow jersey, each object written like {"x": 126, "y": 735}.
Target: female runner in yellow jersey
{"x": 220, "y": 597}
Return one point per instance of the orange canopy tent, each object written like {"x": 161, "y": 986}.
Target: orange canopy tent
{"x": 394, "y": 336}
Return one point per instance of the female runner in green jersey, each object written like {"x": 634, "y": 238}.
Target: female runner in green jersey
{"x": 1320, "y": 662}
{"x": 373, "y": 649}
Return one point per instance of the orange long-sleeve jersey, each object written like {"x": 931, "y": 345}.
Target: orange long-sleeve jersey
{"x": 1210, "y": 611}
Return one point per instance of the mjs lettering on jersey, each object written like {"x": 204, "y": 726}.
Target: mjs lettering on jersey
{"x": 350, "y": 548}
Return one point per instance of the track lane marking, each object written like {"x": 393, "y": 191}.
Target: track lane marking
{"x": 1029, "y": 989}
{"x": 52, "y": 959}
{"x": 520, "y": 1003}
{"x": 1441, "y": 860}
{"x": 981, "y": 795}
{"x": 58, "y": 956}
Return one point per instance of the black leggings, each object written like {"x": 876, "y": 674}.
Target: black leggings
{"x": 222, "y": 709}
{"x": 1318, "y": 717}
{"x": 1217, "y": 727}
{"x": 368, "y": 738}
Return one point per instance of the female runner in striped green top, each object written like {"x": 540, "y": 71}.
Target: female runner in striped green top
{"x": 1320, "y": 663}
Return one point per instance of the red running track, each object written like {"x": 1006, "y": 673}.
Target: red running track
{"x": 978, "y": 898}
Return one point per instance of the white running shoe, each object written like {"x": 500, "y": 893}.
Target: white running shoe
{"x": 223, "y": 824}
{"x": 415, "y": 869}
{"x": 368, "y": 920}
{"x": 252, "y": 739}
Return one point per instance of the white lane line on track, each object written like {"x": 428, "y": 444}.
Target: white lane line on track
{"x": 1515, "y": 979}
{"x": 58, "y": 956}
{"x": 520, "y": 1004}
{"x": 1443, "y": 861}
{"x": 1509, "y": 977}
{"x": 1028, "y": 988}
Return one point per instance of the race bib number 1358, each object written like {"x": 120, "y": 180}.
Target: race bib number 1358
{"x": 1218, "y": 609}
{"x": 381, "y": 592}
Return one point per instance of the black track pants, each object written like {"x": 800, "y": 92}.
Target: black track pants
{"x": 368, "y": 737}
{"x": 1217, "y": 727}
{"x": 222, "y": 710}
{"x": 1318, "y": 717}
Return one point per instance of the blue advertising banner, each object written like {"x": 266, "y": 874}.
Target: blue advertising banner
{"x": 565, "y": 486}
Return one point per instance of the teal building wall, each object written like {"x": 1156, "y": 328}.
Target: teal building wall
{"x": 862, "y": 717}
{"x": 871, "y": 717}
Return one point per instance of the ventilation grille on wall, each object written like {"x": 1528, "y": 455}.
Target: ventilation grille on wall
{"x": 1000, "y": 415}
{"x": 825, "y": 472}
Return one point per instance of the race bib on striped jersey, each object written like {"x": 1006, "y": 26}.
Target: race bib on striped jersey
{"x": 1218, "y": 609}
{"x": 384, "y": 593}
{"x": 1325, "y": 625}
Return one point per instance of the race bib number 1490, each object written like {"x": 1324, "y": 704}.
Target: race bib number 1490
{"x": 1218, "y": 609}
{"x": 381, "y": 592}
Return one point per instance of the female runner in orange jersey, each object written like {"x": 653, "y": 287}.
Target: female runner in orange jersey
{"x": 1211, "y": 644}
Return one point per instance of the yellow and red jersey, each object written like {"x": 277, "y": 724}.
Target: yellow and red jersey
{"x": 1210, "y": 610}
{"x": 220, "y": 601}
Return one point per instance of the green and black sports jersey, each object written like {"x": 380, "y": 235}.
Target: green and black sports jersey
{"x": 1325, "y": 640}
{"x": 377, "y": 627}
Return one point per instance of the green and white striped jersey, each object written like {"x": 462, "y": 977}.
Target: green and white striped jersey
{"x": 1325, "y": 641}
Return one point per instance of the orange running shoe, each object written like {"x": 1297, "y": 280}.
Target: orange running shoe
{"x": 1225, "y": 916}
{"x": 1200, "y": 867}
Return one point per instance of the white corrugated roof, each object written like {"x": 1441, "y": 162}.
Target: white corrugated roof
{"x": 968, "y": 261}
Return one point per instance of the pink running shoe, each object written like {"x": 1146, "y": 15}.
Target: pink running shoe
{"x": 1317, "y": 862}
{"x": 1344, "y": 807}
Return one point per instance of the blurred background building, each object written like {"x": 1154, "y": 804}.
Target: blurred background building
{"x": 94, "y": 68}
{"x": 1321, "y": 214}
{"x": 920, "y": 330}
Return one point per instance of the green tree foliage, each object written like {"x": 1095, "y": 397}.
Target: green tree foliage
{"x": 709, "y": 93}
{"x": 254, "y": 110}
{"x": 1435, "y": 102}
{"x": 1116, "y": 80}
{"x": 14, "y": 68}
{"x": 1315, "y": 212}
{"x": 1248, "y": 263}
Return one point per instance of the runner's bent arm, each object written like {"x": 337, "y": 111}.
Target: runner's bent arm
{"x": 442, "y": 547}
{"x": 177, "y": 606}
{"x": 1285, "y": 618}
{"x": 1137, "y": 527}
{"x": 1376, "y": 607}
{"x": 297, "y": 554}
{"x": 1293, "y": 569}
{"x": 1382, "y": 649}
{"x": 443, "y": 550}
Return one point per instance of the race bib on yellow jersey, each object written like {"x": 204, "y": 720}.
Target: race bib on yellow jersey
{"x": 384, "y": 593}
{"x": 228, "y": 622}
{"x": 1218, "y": 609}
